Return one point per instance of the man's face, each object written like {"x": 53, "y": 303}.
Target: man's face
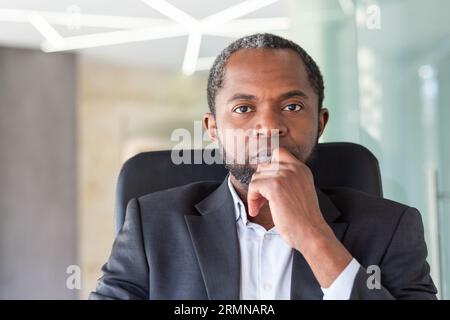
{"x": 266, "y": 94}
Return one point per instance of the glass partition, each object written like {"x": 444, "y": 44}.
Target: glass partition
{"x": 387, "y": 73}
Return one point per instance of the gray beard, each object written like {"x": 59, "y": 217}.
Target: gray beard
{"x": 244, "y": 172}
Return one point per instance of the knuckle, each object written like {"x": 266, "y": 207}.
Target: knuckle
{"x": 277, "y": 183}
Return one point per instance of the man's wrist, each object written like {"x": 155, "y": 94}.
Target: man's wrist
{"x": 312, "y": 239}
{"x": 325, "y": 254}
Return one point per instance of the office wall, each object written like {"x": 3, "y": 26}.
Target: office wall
{"x": 38, "y": 207}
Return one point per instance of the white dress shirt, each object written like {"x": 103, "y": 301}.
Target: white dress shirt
{"x": 266, "y": 262}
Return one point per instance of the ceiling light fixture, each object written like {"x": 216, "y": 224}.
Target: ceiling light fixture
{"x": 85, "y": 20}
{"x": 223, "y": 23}
{"x": 46, "y": 30}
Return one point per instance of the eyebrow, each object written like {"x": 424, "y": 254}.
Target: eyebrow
{"x": 241, "y": 96}
{"x": 284, "y": 96}
{"x": 291, "y": 94}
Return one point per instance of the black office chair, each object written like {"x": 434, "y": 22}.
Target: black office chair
{"x": 336, "y": 164}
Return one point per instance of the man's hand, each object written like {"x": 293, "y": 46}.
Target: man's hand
{"x": 288, "y": 186}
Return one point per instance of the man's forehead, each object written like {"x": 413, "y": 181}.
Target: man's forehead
{"x": 258, "y": 68}
{"x": 264, "y": 58}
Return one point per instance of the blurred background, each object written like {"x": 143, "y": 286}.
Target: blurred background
{"x": 84, "y": 85}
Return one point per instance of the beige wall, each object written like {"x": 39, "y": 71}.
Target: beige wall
{"x": 122, "y": 111}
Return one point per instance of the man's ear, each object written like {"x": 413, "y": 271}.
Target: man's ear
{"x": 323, "y": 119}
{"x": 209, "y": 121}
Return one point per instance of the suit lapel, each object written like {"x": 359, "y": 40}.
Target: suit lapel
{"x": 214, "y": 236}
{"x": 304, "y": 285}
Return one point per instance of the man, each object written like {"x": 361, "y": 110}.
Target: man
{"x": 267, "y": 232}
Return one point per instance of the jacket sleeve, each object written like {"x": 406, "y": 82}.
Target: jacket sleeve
{"x": 126, "y": 273}
{"x": 405, "y": 274}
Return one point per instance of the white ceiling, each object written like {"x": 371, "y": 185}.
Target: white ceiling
{"x": 166, "y": 53}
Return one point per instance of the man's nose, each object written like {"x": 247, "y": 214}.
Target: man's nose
{"x": 269, "y": 123}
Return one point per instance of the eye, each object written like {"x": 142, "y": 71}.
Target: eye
{"x": 242, "y": 109}
{"x": 293, "y": 107}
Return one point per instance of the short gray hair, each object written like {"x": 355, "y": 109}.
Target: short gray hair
{"x": 255, "y": 41}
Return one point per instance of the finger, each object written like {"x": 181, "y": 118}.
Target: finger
{"x": 282, "y": 155}
{"x": 272, "y": 168}
{"x": 255, "y": 199}
{"x": 255, "y": 204}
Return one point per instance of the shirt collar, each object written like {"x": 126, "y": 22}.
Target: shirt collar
{"x": 239, "y": 207}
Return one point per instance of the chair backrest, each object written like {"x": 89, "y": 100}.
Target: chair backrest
{"x": 337, "y": 164}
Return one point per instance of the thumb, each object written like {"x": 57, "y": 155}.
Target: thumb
{"x": 275, "y": 155}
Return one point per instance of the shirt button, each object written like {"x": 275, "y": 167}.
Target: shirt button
{"x": 267, "y": 286}
{"x": 267, "y": 237}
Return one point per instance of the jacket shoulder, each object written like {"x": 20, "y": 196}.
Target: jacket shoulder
{"x": 373, "y": 223}
{"x": 357, "y": 206}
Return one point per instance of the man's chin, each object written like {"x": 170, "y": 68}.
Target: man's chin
{"x": 242, "y": 173}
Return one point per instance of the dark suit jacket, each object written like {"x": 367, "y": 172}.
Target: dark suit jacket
{"x": 182, "y": 243}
